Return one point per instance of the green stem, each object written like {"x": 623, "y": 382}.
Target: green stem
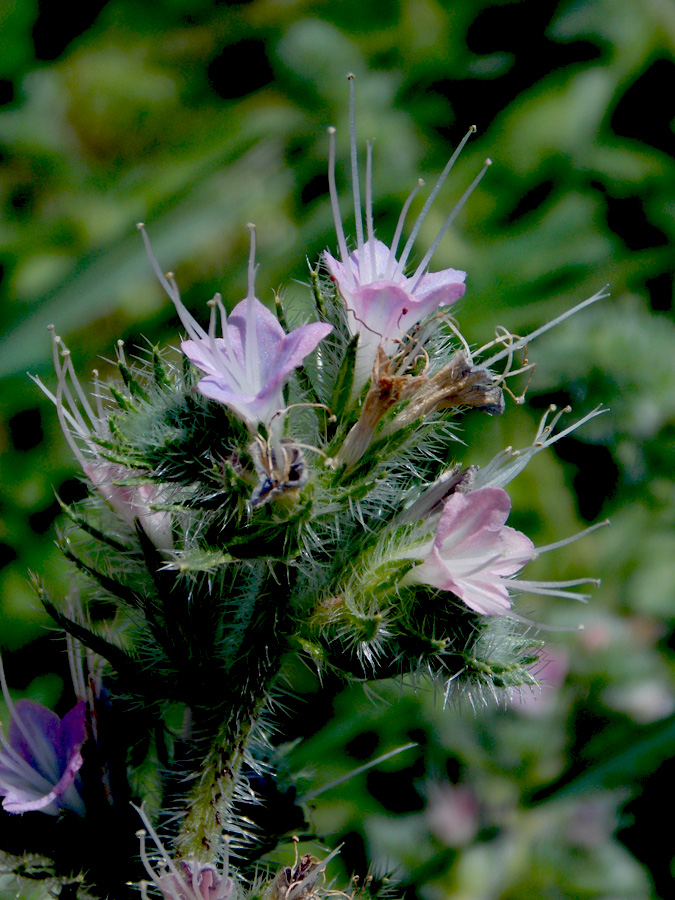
{"x": 247, "y": 688}
{"x": 209, "y": 803}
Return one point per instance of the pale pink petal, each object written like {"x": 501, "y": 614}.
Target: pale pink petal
{"x": 474, "y": 550}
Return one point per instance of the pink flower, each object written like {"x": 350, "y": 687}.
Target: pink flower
{"x": 248, "y": 366}
{"x": 183, "y": 879}
{"x": 195, "y": 881}
{"x": 84, "y": 424}
{"x": 474, "y": 552}
{"x": 131, "y": 503}
{"x": 383, "y": 303}
{"x": 40, "y": 760}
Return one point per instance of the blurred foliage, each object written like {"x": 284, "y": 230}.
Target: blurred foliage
{"x": 197, "y": 117}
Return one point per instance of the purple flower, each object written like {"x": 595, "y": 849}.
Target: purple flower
{"x": 40, "y": 760}
{"x": 383, "y": 303}
{"x": 249, "y": 364}
{"x": 474, "y": 551}
{"x": 84, "y": 426}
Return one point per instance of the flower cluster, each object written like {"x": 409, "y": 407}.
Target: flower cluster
{"x": 275, "y": 492}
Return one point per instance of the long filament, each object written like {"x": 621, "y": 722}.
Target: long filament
{"x": 600, "y": 295}
{"x": 448, "y": 222}
{"x": 337, "y": 218}
{"x": 430, "y": 199}
{"x": 356, "y": 191}
{"x": 252, "y": 360}
{"x": 399, "y": 228}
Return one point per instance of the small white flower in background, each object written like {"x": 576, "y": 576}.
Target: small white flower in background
{"x": 452, "y": 813}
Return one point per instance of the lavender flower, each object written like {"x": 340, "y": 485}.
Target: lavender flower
{"x": 40, "y": 760}
{"x": 247, "y": 368}
{"x": 382, "y": 303}
{"x": 85, "y": 428}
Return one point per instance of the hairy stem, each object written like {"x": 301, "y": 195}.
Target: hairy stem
{"x": 209, "y": 803}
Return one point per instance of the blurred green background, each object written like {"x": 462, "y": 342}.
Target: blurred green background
{"x": 198, "y": 117}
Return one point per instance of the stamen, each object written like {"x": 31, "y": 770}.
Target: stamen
{"x": 419, "y": 272}
{"x": 84, "y": 400}
{"x": 160, "y": 847}
{"x": 505, "y": 466}
{"x": 540, "y": 626}
{"x": 356, "y": 191}
{"x": 67, "y": 420}
{"x": 399, "y": 228}
{"x": 193, "y": 328}
{"x": 458, "y": 334}
{"x": 97, "y": 394}
{"x": 252, "y": 358}
{"x": 430, "y": 199}
{"x": 571, "y": 540}
{"x": 337, "y": 218}
{"x": 602, "y": 294}
{"x": 62, "y": 388}
{"x": 303, "y": 405}
{"x": 503, "y": 337}
{"x": 19, "y": 766}
{"x": 551, "y": 588}
{"x": 74, "y": 650}
{"x": 369, "y": 210}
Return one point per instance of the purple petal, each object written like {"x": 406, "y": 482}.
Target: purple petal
{"x": 38, "y": 770}
{"x": 34, "y": 732}
{"x": 381, "y": 308}
{"x": 253, "y": 408}
{"x": 260, "y": 397}
{"x": 73, "y": 732}
{"x": 269, "y": 334}
{"x": 294, "y": 348}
